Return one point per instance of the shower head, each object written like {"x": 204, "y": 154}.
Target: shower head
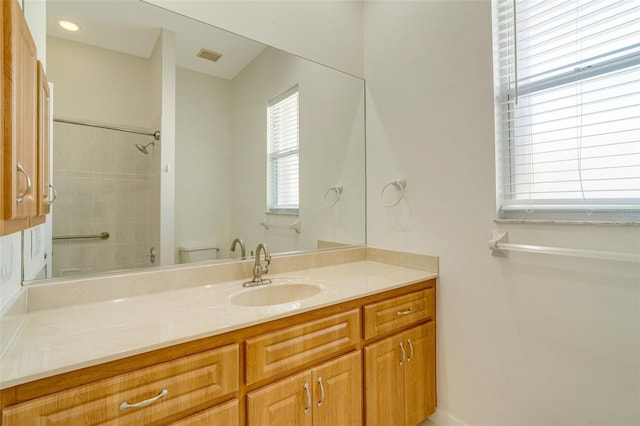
{"x": 143, "y": 148}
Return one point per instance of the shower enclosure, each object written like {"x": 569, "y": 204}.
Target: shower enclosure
{"x": 104, "y": 184}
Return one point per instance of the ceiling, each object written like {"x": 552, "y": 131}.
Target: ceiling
{"x": 132, "y": 27}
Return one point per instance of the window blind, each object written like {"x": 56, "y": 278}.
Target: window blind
{"x": 568, "y": 75}
{"x": 283, "y": 153}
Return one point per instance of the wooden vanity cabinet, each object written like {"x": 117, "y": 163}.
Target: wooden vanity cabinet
{"x": 366, "y": 361}
{"x": 400, "y": 369}
{"x": 327, "y": 395}
{"x": 400, "y": 378}
{"x": 145, "y": 396}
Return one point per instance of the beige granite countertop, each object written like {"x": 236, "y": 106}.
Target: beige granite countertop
{"x": 63, "y": 339}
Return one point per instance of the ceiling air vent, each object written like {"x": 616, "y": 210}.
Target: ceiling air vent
{"x": 209, "y": 55}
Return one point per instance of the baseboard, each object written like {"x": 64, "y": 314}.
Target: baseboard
{"x": 442, "y": 418}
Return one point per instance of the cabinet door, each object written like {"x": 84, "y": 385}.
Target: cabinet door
{"x": 285, "y": 403}
{"x": 420, "y": 373}
{"x": 337, "y": 392}
{"x": 44, "y": 206}
{"x": 384, "y": 382}
{"x": 19, "y": 103}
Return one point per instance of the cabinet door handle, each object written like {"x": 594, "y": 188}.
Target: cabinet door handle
{"x": 306, "y": 389}
{"x": 144, "y": 403}
{"x": 404, "y": 354}
{"x": 411, "y": 350}
{"x": 28, "y": 190}
{"x": 55, "y": 195}
{"x": 321, "y": 392}
{"x": 407, "y": 312}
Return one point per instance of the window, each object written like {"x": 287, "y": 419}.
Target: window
{"x": 568, "y": 109}
{"x": 283, "y": 153}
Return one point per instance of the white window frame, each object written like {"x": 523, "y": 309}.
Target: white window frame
{"x": 283, "y": 197}
{"x": 621, "y": 210}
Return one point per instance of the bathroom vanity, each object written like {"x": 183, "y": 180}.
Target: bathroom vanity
{"x": 360, "y": 351}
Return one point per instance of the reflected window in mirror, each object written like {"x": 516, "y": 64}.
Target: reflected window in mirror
{"x": 283, "y": 149}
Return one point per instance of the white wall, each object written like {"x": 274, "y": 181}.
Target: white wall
{"x": 203, "y": 170}
{"x": 331, "y": 146}
{"x": 327, "y": 31}
{"x": 164, "y": 79}
{"x": 528, "y": 340}
{"x": 102, "y": 79}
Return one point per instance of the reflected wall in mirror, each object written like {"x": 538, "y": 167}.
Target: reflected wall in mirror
{"x": 134, "y": 66}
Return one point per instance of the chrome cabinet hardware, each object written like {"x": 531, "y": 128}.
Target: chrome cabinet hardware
{"x": 28, "y": 190}
{"x": 404, "y": 353}
{"x": 55, "y": 194}
{"x": 308, "y": 406}
{"x": 321, "y": 392}
{"x": 407, "y": 312}
{"x": 411, "y": 350}
{"x": 125, "y": 405}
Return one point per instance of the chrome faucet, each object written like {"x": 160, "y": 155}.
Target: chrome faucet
{"x": 236, "y": 241}
{"x": 258, "y": 269}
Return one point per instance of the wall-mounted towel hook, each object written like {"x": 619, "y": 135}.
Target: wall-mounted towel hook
{"x": 332, "y": 201}
{"x": 400, "y": 183}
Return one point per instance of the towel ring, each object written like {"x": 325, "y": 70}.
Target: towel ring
{"x": 338, "y": 190}
{"x": 400, "y": 183}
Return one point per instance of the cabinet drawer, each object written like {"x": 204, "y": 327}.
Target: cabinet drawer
{"x": 169, "y": 388}
{"x": 383, "y": 317}
{"x": 285, "y": 350}
{"x": 226, "y": 414}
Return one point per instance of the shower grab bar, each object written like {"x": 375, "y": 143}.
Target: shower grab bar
{"x": 156, "y": 134}
{"x": 499, "y": 247}
{"x": 101, "y": 236}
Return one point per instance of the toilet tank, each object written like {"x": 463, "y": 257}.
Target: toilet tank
{"x": 201, "y": 253}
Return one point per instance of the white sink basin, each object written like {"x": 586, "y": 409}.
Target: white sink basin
{"x": 275, "y": 294}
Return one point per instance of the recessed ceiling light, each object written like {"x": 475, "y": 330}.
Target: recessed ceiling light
{"x": 68, "y": 25}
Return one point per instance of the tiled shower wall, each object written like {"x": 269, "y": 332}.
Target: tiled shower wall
{"x": 102, "y": 182}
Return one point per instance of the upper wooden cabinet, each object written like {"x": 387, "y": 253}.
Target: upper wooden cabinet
{"x": 20, "y": 172}
{"x": 43, "y": 140}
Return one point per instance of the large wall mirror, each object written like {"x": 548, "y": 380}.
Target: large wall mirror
{"x": 133, "y": 69}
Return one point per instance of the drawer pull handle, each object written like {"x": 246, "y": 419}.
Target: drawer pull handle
{"x": 321, "y": 392}
{"x": 411, "y": 348}
{"x": 308, "y": 407}
{"x": 407, "y": 312}
{"x": 404, "y": 354}
{"x": 144, "y": 403}
{"x": 27, "y": 191}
